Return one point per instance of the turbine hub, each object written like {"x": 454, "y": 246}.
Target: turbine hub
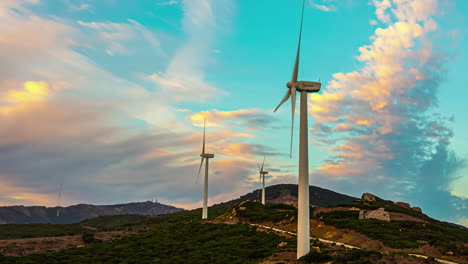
{"x": 291, "y": 84}
{"x": 310, "y": 87}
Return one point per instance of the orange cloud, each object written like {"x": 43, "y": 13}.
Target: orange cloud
{"x": 10, "y": 194}
{"x": 215, "y": 117}
{"x": 342, "y": 128}
{"x": 30, "y": 93}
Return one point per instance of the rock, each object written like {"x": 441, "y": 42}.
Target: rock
{"x": 242, "y": 208}
{"x": 368, "y": 197}
{"x": 282, "y": 244}
{"x": 404, "y": 205}
{"x": 416, "y": 209}
{"x": 379, "y": 214}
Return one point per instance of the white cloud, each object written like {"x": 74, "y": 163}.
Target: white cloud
{"x": 173, "y": 2}
{"x": 80, "y": 7}
{"x": 118, "y": 38}
{"x": 323, "y": 5}
{"x": 201, "y": 22}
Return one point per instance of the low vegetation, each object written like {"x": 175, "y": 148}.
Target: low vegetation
{"x": 256, "y": 212}
{"x": 400, "y": 234}
{"x": 343, "y": 256}
{"x": 173, "y": 243}
{"x": 114, "y": 222}
{"x": 13, "y": 231}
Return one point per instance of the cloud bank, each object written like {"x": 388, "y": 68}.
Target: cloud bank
{"x": 382, "y": 120}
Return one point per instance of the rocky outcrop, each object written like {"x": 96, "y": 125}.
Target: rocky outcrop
{"x": 369, "y": 197}
{"x": 77, "y": 213}
{"x": 379, "y": 214}
{"x": 408, "y": 206}
{"x": 404, "y": 205}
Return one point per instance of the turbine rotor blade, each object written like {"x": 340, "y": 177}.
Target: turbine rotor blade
{"x": 296, "y": 64}
{"x": 286, "y": 97}
{"x": 199, "y": 170}
{"x": 263, "y": 163}
{"x": 293, "y": 110}
{"x": 204, "y": 128}
{"x": 259, "y": 167}
{"x": 260, "y": 178}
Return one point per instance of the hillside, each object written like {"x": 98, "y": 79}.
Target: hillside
{"x": 282, "y": 193}
{"x": 248, "y": 232}
{"x": 77, "y": 213}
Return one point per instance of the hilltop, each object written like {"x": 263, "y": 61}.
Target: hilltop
{"x": 76, "y": 213}
{"x": 287, "y": 193}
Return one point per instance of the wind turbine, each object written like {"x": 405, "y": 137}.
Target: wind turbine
{"x": 304, "y": 87}
{"x": 58, "y": 207}
{"x": 204, "y": 156}
{"x": 262, "y": 179}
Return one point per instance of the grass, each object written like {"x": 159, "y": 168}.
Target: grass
{"x": 256, "y": 212}
{"x": 338, "y": 257}
{"x": 173, "y": 243}
{"x": 114, "y": 222}
{"x": 13, "y": 231}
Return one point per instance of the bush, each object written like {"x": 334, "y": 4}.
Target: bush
{"x": 89, "y": 238}
{"x": 315, "y": 257}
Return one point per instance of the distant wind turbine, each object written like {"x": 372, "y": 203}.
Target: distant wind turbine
{"x": 304, "y": 87}
{"x": 262, "y": 179}
{"x": 204, "y": 156}
{"x": 58, "y": 206}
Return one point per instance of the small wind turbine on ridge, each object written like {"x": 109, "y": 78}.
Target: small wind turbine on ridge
{"x": 58, "y": 206}
{"x": 304, "y": 87}
{"x": 204, "y": 156}
{"x": 262, "y": 179}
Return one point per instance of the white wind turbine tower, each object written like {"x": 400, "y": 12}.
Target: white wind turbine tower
{"x": 304, "y": 87}
{"x": 204, "y": 156}
{"x": 262, "y": 179}
{"x": 58, "y": 207}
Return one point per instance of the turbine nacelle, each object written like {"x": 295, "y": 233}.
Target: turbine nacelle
{"x": 311, "y": 87}
{"x": 207, "y": 155}
{"x": 264, "y": 172}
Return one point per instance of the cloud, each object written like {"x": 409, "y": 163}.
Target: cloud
{"x": 385, "y": 129}
{"x": 202, "y": 21}
{"x": 173, "y": 2}
{"x": 323, "y": 5}
{"x": 251, "y": 119}
{"x": 65, "y": 118}
{"x": 80, "y": 7}
{"x": 117, "y": 37}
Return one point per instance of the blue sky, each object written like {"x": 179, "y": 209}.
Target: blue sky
{"x": 108, "y": 97}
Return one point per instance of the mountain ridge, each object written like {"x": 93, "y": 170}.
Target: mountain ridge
{"x": 20, "y": 214}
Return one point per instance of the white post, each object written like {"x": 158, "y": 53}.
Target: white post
{"x": 263, "y": 189}
{"x": 205, "y": 192}
{"x": 303, "y": 221}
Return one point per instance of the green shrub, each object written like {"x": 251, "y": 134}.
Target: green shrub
{"x": 89, "y": 238}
